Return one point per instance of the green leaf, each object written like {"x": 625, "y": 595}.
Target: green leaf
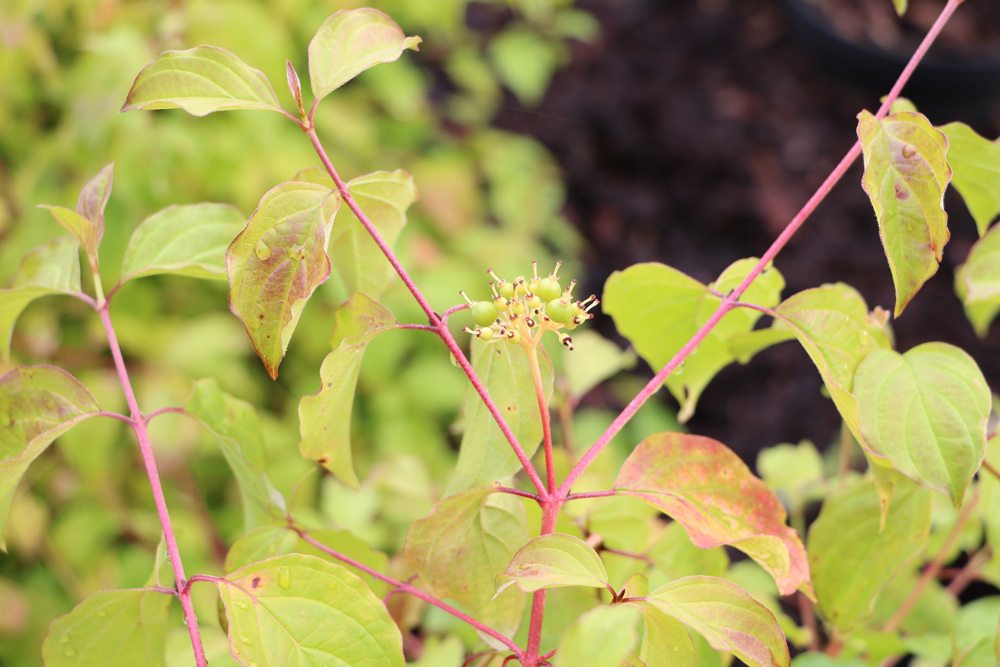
{"x": 665, "y": 641}
{"x": 795, "y": 472}
{"x": 86, "y": 223}
{"x": 53, "y": 268}
{"x": 659, "y": 309}
{"x": 200, "y": 81}
{"x": 906, "y": 174}
{"x": 900, "y": 6}
{"x": 926, "y": 412}
{"x": 834, "y": 326}
{"x": 554, "y": 561}
{"x": 120, "y": 628}
{"x": 278, "y": 540}
{"x": 525, "y": 62}
{"x": 726, "y": 616}
{"x": 186, "y": 240}
{"x": 300, "y": 610}
{"x": 707, "y": 489}
{"x": 325, "y": 417}
{"x": 460, "y": 548}
{"x": 485, "y": 455}
{"x": 37, "y": 405}
{"x": 603, "y": 359}
{"x": 277, "y": 262}
{"x": 976, "y": 633}
{"x": 675, "y": 555}
{"x": 978, "y": 281}
{"x": 384, "y": 197}
{"x": 852, "y": 559}
{"x": 236, "y": 428}
{"x": 602, "y": 637}
{"x": 975, "y": 163}
{"x": 351, "y": 41}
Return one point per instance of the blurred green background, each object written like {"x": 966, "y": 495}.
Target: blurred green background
{"x": 83, "y": 519}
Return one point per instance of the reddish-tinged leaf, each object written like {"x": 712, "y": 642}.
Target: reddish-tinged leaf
{"x": 276, "y": 263}
{"x": 706, "y": 488}
{"x": 86, "y": 223}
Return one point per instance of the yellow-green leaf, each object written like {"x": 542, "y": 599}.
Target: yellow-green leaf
{"x": 276, "y": 263}
{"x": 602, "y": 637}
{"x": 834, "y": 326}
{"x": 975, "y": 163}
{"x": 705, "y": 487}
{"x": 852, "y": 558}
{"x": 236, "y": 427}
{"x": 301, "y": 610}
{"x": 37, "y": 405}
{"x": 325, "y": 417}
{"x": 351, "y": 41}
{"x": 120, "y": 628}
{"x": 279, "y": 540}
{"x": 926, "y": 412}
{"x": 978, "y": 281}
{"x": 906, "y": 174}
{"x": 53, "y": 268}
{"x": 384, "y": 197}
{"x": 460, "y": 548}
{"x": 484, "y": 455}
{"x": 665, "y": 641}
{"x": 189, "y": 240}
{"x": 726, "y": 616}
{"x": 200, "y": 81}
{"x": 553, "y": 561}
{"x": 658, "y": 309}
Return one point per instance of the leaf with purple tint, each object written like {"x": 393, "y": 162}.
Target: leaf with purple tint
{"x": 706, "y": 488}
{"x": 726, "y": 616}
{"x": 37, "y": 405}
{"x": 276, "y": 263}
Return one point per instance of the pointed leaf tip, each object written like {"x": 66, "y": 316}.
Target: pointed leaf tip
{"x": 350, "y": 42}
{"x": 906, "y": 174}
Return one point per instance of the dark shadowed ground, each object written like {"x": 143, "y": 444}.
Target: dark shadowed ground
{"x": 689, "y": 134}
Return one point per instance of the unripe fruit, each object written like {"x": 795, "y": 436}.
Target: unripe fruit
{"x": 559, "y": 311}
{"x": 506, "y": 290}
{"x": 548, "y": 289}
{"x": 484, "y": 313}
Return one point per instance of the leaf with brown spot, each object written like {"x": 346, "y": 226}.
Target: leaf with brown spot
{"x": 276, "y": 263}
{"x": 706, "y": 488}
{"x": 906, "y": 173}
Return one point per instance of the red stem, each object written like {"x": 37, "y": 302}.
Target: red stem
{"x": 550, "y": 512}
{"x": 730, "y": 301}
{"x": 543, "y": 411}
{"x": 405, "y": 587}
{"x": 138, "y": 423}
{"x": 434, "y": 318}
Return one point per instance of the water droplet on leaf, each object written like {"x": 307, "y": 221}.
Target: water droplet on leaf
{"x": 64, "y": 639}
{"x": 284, "y": 577}
{"x": 69, "y": 653}
{"x": 262, "y": 250}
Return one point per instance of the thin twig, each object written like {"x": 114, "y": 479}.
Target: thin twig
{"x": 172, "y": 409}
{"x": 149, "y": 461}
{"x": 517, "y": 492}
{"x": 591, "y": 494}
{"x": 543, "y": 411}
{"x": 730, "y": 301}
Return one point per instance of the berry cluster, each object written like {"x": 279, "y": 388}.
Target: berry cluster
{"x": 522, "y": 310}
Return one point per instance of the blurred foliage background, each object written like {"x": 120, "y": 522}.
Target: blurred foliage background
{"x": 84, "y": 519}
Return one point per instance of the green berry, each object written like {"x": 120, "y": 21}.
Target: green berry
{"x": 484, "y": 313}
{"x": 506, "y": 290}
{"x": 548, "y": 289}
{"x": 559, "y": 311}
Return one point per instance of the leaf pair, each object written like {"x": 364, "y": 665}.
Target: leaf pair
{"x": 206, "y": 79}
{"x": 289, "y": 610}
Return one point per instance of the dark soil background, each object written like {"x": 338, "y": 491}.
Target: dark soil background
{"x": 690, "y": 133}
